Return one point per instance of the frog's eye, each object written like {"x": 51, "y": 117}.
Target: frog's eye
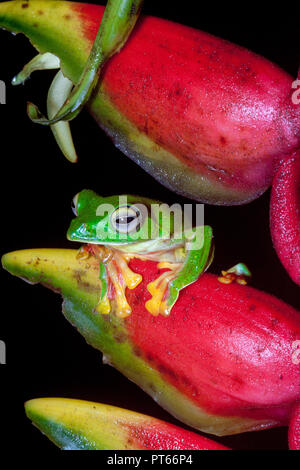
{"x": 126, "y": 219}
{"x": 74, "y": 205}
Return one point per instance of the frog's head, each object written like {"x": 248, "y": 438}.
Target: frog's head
{"x": 112, "y": 220}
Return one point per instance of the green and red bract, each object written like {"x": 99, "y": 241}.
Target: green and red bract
{"x": 207, "y": 118}
{"x": 285, "y": 215}
{"x": 294, "y": 429}
{"x": 82, "y": 425}
{"x": 222, "y": 362}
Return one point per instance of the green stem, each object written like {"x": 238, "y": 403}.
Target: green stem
{"x": 118, "y": 21}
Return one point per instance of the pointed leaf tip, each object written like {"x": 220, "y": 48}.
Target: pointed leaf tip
{"x": 81, "y": 425}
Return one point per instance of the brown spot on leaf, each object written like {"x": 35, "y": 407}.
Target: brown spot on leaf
{"x": 137, "y": 351}
{"x": 165, "y": 370}
{"x": 120, "y": 337}
{"x": 152, "y": 387}
{"x": 83, "y": 284}
{"x": 149, "y": 357}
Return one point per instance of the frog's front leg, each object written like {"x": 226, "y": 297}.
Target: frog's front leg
{"x": 104, "y": 303}
{"x": 198, "y": 256}
{"x": 115, "y": 270}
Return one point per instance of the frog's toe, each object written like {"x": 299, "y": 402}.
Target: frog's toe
{"x": 104, "y": 307}
{"x": 159, "y": 289}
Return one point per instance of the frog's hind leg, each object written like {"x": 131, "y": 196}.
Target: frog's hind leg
{"x": 121, "y": 276}
{"x": 131, "y": 279}
{"x": 116, "y": 271}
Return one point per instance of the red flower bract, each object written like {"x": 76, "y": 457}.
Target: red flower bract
{"x": 207, "y": 118}
{"x": 222, "y": 362}
{"x": 227, "y": 347}
{"x": 285, "y": 215}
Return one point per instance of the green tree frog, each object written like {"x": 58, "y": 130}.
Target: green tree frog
{"x": 125, "y": 227}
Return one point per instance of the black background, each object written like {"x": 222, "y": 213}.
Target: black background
{"x": 45, "y": 355}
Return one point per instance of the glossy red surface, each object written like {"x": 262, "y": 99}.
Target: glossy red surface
{"x": 161, "y": 435}
{"x": 219, "y": 108}
{"x": 285, "y": 215}
{"x": 226, "y": 347}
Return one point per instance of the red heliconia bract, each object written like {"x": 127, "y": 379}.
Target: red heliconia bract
{"x": 226, "y": 347}
{"x": 285, "y": 215}
{"x": 207, "y": 118}
{"x": 222, "y": 362}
